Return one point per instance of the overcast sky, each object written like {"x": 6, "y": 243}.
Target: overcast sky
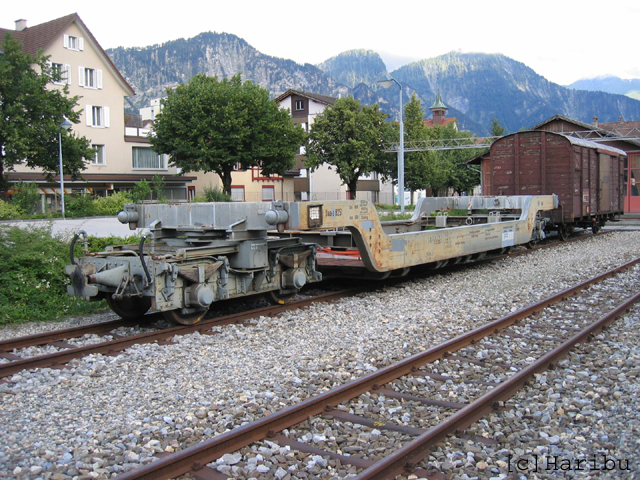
{"x": 563, "y": 41}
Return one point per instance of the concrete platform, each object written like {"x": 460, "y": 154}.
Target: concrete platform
{"x": 628, "y": 221}
{"x": 96, "y": 226}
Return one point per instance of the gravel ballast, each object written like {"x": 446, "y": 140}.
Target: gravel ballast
{"x": 105, "y": 415}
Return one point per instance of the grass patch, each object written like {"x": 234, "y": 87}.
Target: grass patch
{"x": 385, "y": 207}
{"x": 387, "y": 217}
{"x": 33, "y": 285}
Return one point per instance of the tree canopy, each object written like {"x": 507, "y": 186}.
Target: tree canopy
{"x": 213, "y": 125}
{"x": 349, "y": 137}
{"x": 496, "y": 129}
{"x": 418, "y": 166}
{"x": 435, "y": 170}
{"x": 31, "y": 114}
{"x": 452, "y": 171}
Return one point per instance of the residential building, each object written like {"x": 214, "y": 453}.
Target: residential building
{"x": 122, "y": 152}
{"x": 324, "y": 183}
{"x": 150, "y": 112}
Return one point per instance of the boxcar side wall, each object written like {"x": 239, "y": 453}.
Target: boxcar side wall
{"x": 559, "y": 174}
{"x": 611, "y": 183}
{"x": 600, "y": 181}
{"x": 531, "y": 163}
{"x": 588, "y": 180}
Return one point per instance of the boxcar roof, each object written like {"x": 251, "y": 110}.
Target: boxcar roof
{"x": 573, "y": 140}
{"x": 588, "y": 143}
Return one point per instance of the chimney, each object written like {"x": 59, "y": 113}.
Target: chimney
{"x": 595, "y": 121}
{"x": 620, "y": 119}
{"x": 21, "y": 25}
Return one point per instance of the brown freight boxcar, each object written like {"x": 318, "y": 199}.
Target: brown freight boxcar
{"x": 586, "y": 176}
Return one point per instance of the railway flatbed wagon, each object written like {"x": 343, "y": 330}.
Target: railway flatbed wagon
{"x": 195, "y": 254}
{"x": 587, "y": 177}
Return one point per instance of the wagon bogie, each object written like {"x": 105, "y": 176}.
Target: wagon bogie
{"x": 196, "y": 255}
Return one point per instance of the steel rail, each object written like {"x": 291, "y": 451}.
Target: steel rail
{"x": 62, "y": 357}
{"x": 404, "y": 460}
{"x": 196, "y": 457}
{"x": 10, "y": 344}
{"x": 64, "y": 334}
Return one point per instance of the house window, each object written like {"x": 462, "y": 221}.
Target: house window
{"x": 89, "y": 77}
{"x": 237, "y": 194}
{"x": 268, "y": 193}
{"x": 100, "y": 157}
{"x": 97, "y": 116}
{"x": 299, "y": 104}
{"x": 73, "y": 43}
{"x": 62, "y": 72}
{"x": 144, "y": 157}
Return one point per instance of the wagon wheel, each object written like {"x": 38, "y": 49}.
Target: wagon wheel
{"x": 563, "y": 232}
{"x": 275, "y": 297}
{"x": 177, "y": 316}
{"x": 129, "y": 308}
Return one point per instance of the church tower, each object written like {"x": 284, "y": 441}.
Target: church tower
{"x": 439, "y": 110}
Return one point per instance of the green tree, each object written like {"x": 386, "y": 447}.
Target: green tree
{"x": 215, "y": 126}
{"x": 140, "y": 191}
{"x": 31, "y": 114}
{"x": 349, "y": 137}
{"x": 450, "y": 166}
{"x": 157, "y": 186}
{"x": 496, "y": 129}
{"x": 418, "y": 166}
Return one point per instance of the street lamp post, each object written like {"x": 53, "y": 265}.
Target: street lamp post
{"x": 386, "y": 83}
{"x": 66, "y": 125}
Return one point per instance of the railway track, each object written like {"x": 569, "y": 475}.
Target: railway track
{"x": 66, "y": 351}
{"x": 400, "y": 412}
{"x": 60, "y": 347}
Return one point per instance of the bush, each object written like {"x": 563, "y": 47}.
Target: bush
{"x": 111, "y": 205}
{"x": 26, "y": 197}
{"x": 98, "y": 244}
{"x": 9, "y": 211}
{"x": 383, "y": 206}
{"x": 395, "y": 216}
{"x": 33, "y": 279}
{"x": 33, "y": 284}
{"x": 157, "y": 185}
{"x": 79, "y": 206}
{"x": 215, "y": 194}
{"x": 140, "y": 191}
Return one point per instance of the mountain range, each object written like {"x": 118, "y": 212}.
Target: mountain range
{"x": 475, "y": 86}
{"x": 611, "y": 84}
